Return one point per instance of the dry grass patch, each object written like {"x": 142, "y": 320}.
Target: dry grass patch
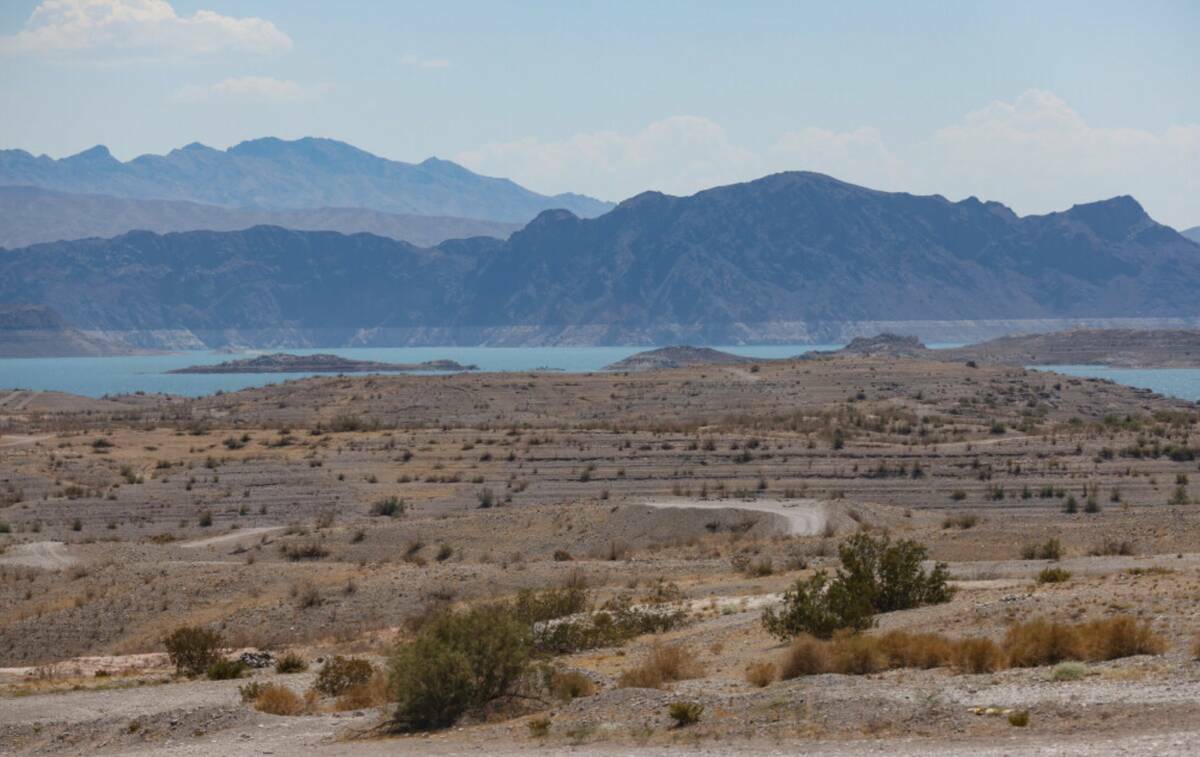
{"x": 374, "y": 693}
{"x": 276, "y": 699}
{"x": 665, "y": 663}
{"x": 1046, "y": 642}
{"x": 978, "y": 655}
{"x": 760, "y": 674}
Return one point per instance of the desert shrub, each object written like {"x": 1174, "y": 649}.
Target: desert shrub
{"x": 977, "y": 655}
{"x": 819, "y": 606}
{"x": 372, "y": 693}
{"x": 249, "y": 692}
{"x": 805, "y": 656}
{"x": 571, "y": 684}
{"x": 857, "y": 654}
{"x": 1068, "y": 671}
{"x": 1122, "y": 636}
{"x": 290, "y": 663}
{"x": 1041, "y": 642}
{"x": 915, "y": 650}
{"x": 760, "y": 674}
{"x": 961, "y": 521}
{"x": 549, "y": 604}
{"x": 226, "y": 670}
{"x": 613, "y": 624}
{"x": 389, "y": 507}
{"x": 1050, "y": 550}
{"x": 663, "y": 664}
{"x": 1044, "y": 642}
{"x": 275, "y": 699}
{"x": 192, "y": 649}
{"x": 876, "y": 576}
{"x": 310, "y": 550}
{"x": 1053, "y": 576}
{"x": 1112, "y": 547}
{"x": 539, "y": 727}
{"x": 340, "y": 673}
{"x": 1018, "y": 718}
{"x": 459, "y": 660}
{"x": 685, "y": 713}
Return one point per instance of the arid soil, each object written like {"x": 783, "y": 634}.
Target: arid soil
{"x": 711, "y": 489}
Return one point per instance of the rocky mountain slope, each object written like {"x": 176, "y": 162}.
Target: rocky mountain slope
{"x": 37, "y": 331}
{"x": 780, "y": 259}
{"x": 278, "y": 174}
{"x": 31, "y": 215}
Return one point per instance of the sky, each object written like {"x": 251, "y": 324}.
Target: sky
{"x": 1039, "y": 105}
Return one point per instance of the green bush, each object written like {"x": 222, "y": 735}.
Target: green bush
{"x": 251, "y": 691}
{"x": 876, "y": 576}
{"x": 613, "y": 624}
{"x": 341, "y": 673}
{"x": 459, "y": 660}
{"x": 685, "y": 713}
{"x": 539, "y": 606}
{"x": 1053, "y": 576}
{"x": 291, "y": 663}
{"x": 192, "y": 650}
{"x": 226, "y": 670}
{"x": 390, "y": 507}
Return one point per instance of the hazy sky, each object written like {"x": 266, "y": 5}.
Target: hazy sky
{"x": 1037, "y": 104}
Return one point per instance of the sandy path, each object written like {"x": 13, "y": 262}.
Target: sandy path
{"x": 50, "y": 555}
{"x": 801, "y": 517}
{"x": 18, "y": 441}
{"x": 231, "y": 537}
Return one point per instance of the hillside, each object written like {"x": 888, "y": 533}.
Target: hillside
{"x": 37, "y": 331}
{"x": 791, "y": 257}
{"x": 1118, "y": 348}
{"x": 31, "y": 215}
{"x": 1192, "y": 233}
{"x": 677, "y": 357}
{"x": 277, "y": 174}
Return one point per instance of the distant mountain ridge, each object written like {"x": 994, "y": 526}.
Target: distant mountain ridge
{"x": 30, "y": 215}
{"x": 272, "y": 173}
{"x": 793, "y": 257}
{"x": 1192, "y": 234}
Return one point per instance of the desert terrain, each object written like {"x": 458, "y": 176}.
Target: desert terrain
{"x": 335, "y": 516}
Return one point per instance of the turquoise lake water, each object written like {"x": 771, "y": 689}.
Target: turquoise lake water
{"x": 97, "y": 376}
{"x": 1175, "y": 382}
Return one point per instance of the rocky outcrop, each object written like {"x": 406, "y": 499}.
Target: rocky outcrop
{"x": 677, "y": 357}
{"x": 284, "y": 363}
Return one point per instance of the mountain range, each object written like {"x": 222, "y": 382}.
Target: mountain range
{"x": 1192, "y": 233}
{"x": 275, "y": 174}
{"x": 31, "y": 215}
{"x": 790, "y": 257}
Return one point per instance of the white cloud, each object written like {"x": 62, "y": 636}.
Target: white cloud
{"x": 1038, "y": 154}
{"x": 121, "y": 31}
{"x": 677, "y": 155}
{"x": 251, "y": 89}
{"x": 419, "y": 62}
{"x": 1035, "y": 154}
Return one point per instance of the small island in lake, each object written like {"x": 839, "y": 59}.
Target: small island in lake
{"x": 281, "y": 362}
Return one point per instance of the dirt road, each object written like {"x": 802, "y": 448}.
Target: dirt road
{"x": 800, "y": 517}
{"x": 48, "y": 555}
